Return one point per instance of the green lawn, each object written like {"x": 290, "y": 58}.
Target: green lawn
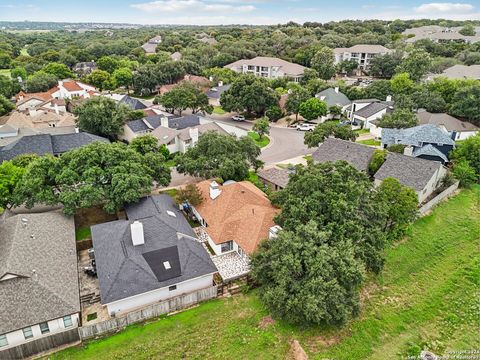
{"x": 362, "y": 131}
{"x": 259, "y": 142}
{"x": 83, "y": 233}
{"x": 371, "y": 142}
{"x": 218, "y": 110}
{"x": 425, "y": 297}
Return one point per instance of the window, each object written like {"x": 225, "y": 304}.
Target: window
{"x": 44, "y": 328}
{"x": 3, "y": 340}
{"x": 227, "y": 246}
{"x": 67, "y": 321}
{"x": 27, "y": 333}
{"x": 173, "y": 287}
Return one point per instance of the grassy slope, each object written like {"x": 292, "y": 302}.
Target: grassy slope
{"x": 424, "y": 297}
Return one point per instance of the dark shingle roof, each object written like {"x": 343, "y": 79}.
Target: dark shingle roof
{"x": 333, "y": 149}
{"x": 279, "y": 177}
{"x": 409, "y": 171}
{"x": 46, "y": 265}
{"x": 417, "y": 135}
{"x": 429, "y": 150}
{"x": 132, "y": 103}
{"x": 123, "y": 270}
{"x": 183, "y": 122}
{"x": 43, "y": 144}
{"x": 333, "y": 98}
{"x": 371, "y": 109}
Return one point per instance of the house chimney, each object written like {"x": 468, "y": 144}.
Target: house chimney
{"x": 220, "y": 83}
{"x": 136, "y": 228}
{"x": 164, "y": 121}
{"x": 389, "y": 98}
{"x": 193, "y": 132}
{"x": 56, "y": 109}
{"x": 214, "y": 190}
{"x": 210, "y": 78}
{"x": 336, "y": 89}
{"x": 32, "y": 111}
{"x": 408, "y": 151}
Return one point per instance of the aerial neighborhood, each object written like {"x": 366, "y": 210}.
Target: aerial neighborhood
{"x": 292, "y": 191}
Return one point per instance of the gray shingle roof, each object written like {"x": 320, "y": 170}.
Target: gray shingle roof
{"x": 333, "y": 149}
{"x": 47, "y": 286}
{"x": 132, "y": 103}
{"x": 371, "y": 109}
{"x": 183, "y": 122}
{"x": 122, "y": 268}
{"x": 449, "y": 122}
{"x": 333, "y": 98}
{"x": 279, "y": 177}
{"x": 43, "y": 144}
{"x": 417, "y": 135}
{"x": 409, "y": 171}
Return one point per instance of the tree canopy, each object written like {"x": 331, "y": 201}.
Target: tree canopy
{"x": 325, "y": 130}
{"x": 222, "y": 156}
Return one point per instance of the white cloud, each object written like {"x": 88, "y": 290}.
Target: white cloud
{"x": 191, "y": 6}
{"x": 446, "y": 8}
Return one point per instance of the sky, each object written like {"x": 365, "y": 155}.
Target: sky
{"x": 214, "y": 12}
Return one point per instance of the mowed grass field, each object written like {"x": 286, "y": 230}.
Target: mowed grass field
{"x": 426, "y": 297}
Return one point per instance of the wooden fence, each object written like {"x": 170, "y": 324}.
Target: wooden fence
{"x": 151, "y": 311}
{"x": 443, "y": 195}
{"x": 40, "y": 345}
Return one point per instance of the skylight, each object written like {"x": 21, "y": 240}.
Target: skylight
{"x": 166, "y": 264}
{"x": 171, "y": 213}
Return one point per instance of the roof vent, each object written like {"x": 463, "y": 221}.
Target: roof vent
{"x": 214, "y": 190}
{"x": 166, "y": 265}
{"x": 24, "y": 222}
{"x": 136, "y": 229}
{"x": 171, "y": 213}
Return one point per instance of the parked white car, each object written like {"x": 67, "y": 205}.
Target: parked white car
{"x": 305, "y": 127}
{"x": 238, "y": 118}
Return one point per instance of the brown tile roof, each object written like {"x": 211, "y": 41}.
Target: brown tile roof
{"x": 241, "y": 213}
{"x": 71, "y": 86}
{"x": 27, "y": 96}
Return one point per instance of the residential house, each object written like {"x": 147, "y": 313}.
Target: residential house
{"x": 423, "y": 176}
{"x": 460, "y": 72}
{"x": 44, "y": 144}
{"x": 438, "y": 33}
{"x": 10, "y": 134}
{"x": 208, "y": 40}
{"x": 237, "y": 216}
{"x": 274, "y": 178}
{"x": 151, "y": 256}
{"x": 364, "y": 111}
{"x": 65, "y": 89}
{"x": 178, "y": 134}
{"x": 150, "y": 46}
{"x": 39, "y": 117}
{"x": 333, "y": 97}
{"x": 426, "y": 141}
{"x": 132, "y": 103}
{"x": 457, "y": 129}
{"x": 268, "y": 67}
{"x": 362, "y": 54}
{"x": 84, "y": 68}
{"x": 39, "y": 292}
{"x": 216, "y": 92}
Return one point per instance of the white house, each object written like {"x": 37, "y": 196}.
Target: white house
{"x": 268, "y": 67}
{"x": 148, "y": 257}
{"x": 364, "y": 111}
{"x": 362, "y": 54}
{"x": 39, "y": 293}
{"x": 178, "y": 134}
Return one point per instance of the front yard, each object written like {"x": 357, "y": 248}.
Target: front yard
{"x": 370, "y": 142}
{"x": 426, "y": 297}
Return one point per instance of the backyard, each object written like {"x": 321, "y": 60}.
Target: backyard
{"x": 425, "y": 297}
